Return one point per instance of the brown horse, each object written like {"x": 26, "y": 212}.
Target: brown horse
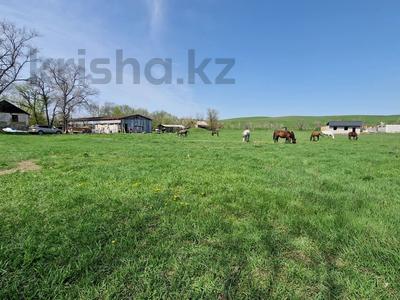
{"x": 353, "y": 135}
{"x": 284, "y": 134}
{"x": 182, "y": 132}
{"x": 315, "y": 136}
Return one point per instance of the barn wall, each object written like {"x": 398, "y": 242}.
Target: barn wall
{"x": 134, "y": 124}
{"x": 5, "y": 120}
{"x": 137, "y": 124}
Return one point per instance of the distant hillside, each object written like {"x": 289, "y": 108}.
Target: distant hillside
{"x": 303, "y": 122}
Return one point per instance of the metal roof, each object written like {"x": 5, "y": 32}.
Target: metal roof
{"x": 202, "y": 123}
{"x": 7, "y": 107}
{"x": 345, "y": 123}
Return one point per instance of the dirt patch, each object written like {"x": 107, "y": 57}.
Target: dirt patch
{"x": 23, "y": 166}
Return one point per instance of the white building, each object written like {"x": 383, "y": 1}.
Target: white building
{"x": 344, "y": 127}
{"x": 12, "y": 116}
{"x": 126, "y": 124}
{"x": 389, "y": 128}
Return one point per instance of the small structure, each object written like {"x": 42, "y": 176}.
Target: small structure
{"x": 344, "y": 127}
{"x": 201, "y": 124}
{"x": 126, "y": 124}
{"x": 370, "y": 129}
{"x": 13, "y": 116}
{"x": 170, "y": 127}
{"x": 388, "y": 128}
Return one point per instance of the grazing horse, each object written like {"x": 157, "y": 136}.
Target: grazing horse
{"x": 293, "y": 137}
{"x": 315, "y": 136}
{"x": 328, "y": 133}
{"x": 215, "y": 132}
{"x": 353, "y": 135}
{"x": 246, "y": 135}
{"x": 284, "y": 134}
{"x": 182, "y": 132}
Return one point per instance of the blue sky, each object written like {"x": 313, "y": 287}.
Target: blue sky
{"x": 292, "y": 57}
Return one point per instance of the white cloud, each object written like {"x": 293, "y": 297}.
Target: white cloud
{"x": 156, "y": 17}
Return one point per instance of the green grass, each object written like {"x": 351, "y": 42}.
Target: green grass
{"x": 156, "y": 216}
{"x": 304, "y": 122}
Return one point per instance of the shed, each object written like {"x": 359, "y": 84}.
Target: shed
{"x": 13, "y": 116}
{"x": 170, "y": 127}
{"x": 344, "y": 127}
{"x": 126, "y": 124}
{"x": 201, "y": 124}
{"x": 389, "y": 128}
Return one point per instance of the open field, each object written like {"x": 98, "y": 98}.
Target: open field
{"x": 305, "y": 122}
{"x": 156, "y": 216}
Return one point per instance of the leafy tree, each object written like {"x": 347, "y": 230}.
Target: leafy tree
{"x": 43, "y": 83}
{"x": 30, "y": 100}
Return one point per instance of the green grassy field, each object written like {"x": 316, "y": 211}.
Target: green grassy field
{"x": 157, "y": 216}
{"x": 304, "y": 122}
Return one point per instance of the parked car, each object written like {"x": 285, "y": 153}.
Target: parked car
{"x": 44, "y": 129}
{"x": 13, "y": 131}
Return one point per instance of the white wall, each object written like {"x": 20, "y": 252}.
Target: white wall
{"x": 382, "y": 129}
{"x": 99, "y": 126}
{"x": 340, "y": 130}
{"x": 389, "y": 129}
{"x": 372, "y": 130}
{"x": 107, "y": 128}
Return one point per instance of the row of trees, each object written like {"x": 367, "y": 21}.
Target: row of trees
{"x": 58, "y": 88}
{"x": 54, "y": 91}
{"x": 112, "y": 109}
{"x": 159, "y": 117}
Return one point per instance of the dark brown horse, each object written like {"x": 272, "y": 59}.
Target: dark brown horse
{"x": 284, "y": 134}
{"x": 353, "y": 135}
{"x": 182, "y": 132}
{"x": 315, "y": 136}
{"x": 215, "y": 132}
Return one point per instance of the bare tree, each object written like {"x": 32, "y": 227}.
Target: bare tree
{"x": 301, "y": 125}
{"x": 188, "y": 122}
{"x": 71, "y": 88}
{"x": 317, "y": 125}
{"x": 107, "y": 109}
{"x": 93, "y": 109}
{"x": 15, "y": 52}
{"x": 212, "y": 118}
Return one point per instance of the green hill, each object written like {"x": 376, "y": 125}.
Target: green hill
{"x": 304, "y": 122}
